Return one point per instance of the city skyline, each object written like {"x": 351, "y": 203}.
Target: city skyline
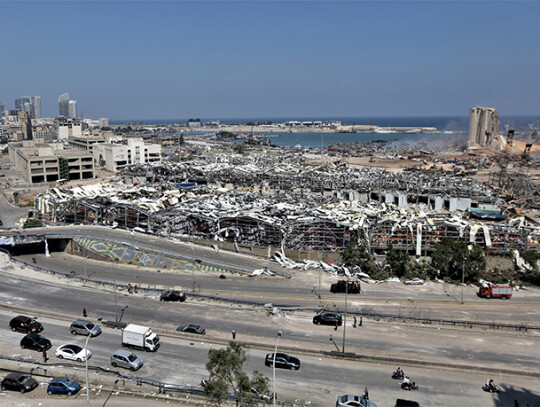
{"x": 167, "y": 60}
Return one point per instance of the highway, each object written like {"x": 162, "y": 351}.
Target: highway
{"x": 397, "y": 340}
{"x": 183, "y": 361}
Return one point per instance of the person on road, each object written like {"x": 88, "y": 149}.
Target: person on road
{"x": 406, "y": 381}
{"x": 354, "y": 323}
{"x": 84, "y": 314}
{"x": 45, "y": 358}
{"x": 335, "y": 327}
{"x": 234, "y": 334}
{"x": 366, "y": 394}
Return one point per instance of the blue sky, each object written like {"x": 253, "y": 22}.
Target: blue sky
{"x": 157, "y": 60}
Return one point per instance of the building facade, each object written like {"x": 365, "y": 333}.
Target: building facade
{"x": 42, "y": 162}
{"x": 111, "y": 156}
{"x": 483, "y": 125}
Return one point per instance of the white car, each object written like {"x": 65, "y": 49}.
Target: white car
{"x": 415, "y": 281}
{"x": 72, "y": 352}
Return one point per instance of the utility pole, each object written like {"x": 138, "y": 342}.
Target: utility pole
{"x": 462, "y": 276}
{"x": 345, "y": 316}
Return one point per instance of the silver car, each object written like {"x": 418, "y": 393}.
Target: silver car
{"x": 350, "y": 400}
{"x": 125, "y": 359}
{"x": 80, "y": 327}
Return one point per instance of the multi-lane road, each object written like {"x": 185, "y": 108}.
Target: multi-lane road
{"x": 321, "y": 377}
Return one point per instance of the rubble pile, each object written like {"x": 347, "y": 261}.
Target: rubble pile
{"x": 281, "y": 201}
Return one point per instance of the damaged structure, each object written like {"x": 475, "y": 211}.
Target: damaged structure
{"x": 281, "y": 202}
{"x": 483, "y": 125}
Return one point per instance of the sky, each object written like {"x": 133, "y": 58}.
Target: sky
{"x": 243, "y": 59}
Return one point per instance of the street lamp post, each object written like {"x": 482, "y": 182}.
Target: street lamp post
{"x": 86, "y": 368}
{"x": 274, "y": 369}
{"x": 345, "y": 316}
{"x": 462, "y": 276}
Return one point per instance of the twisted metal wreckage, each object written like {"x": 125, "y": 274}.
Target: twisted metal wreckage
{"x": 283, "y": 202}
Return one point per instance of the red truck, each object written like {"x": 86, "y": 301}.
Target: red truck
{"x": 495, "y": 291}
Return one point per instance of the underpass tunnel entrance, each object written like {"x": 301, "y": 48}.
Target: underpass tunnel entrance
{"x": 55, "y": 245}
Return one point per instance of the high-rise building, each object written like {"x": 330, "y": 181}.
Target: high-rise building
{"x": 36, "y": 107}
{"x": 72, "y": 109}
{"x": 2, "y": 112}
{"x": 30, "y": 104}
{"x": 63, "y": 104}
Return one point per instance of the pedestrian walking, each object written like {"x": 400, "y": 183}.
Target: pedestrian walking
{"x": 84, "y": 314}
{"x": 136, "y": 289}
{"x": 130, "y": 288}
{"x": 366, "y": 394}
{"x": 335, "y": 327}
{"x": 354, "y": 323}
{"x": 360, "y": 324}
{"x": 234, "y": 334}
{"x": 45, "y": 358}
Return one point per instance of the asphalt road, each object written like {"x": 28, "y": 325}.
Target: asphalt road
{"x": 432, "y": 300}
{"x": 254, "y": 324}
{"x": 319, "y": 381}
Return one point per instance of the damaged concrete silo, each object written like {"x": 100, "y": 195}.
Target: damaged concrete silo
{"x": 483, "y": 125}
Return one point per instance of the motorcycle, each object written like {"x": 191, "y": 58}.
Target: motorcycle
{"x": 494, "y": 389}
{"x": 409, "y": 386}
{"x": 396, "y": 375}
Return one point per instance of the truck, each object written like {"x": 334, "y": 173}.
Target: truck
{"x": 140, "y": 337}
{"x": 495, "y": 291}
{"x": 341, "y": 287}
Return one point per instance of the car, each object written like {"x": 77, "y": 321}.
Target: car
{"x": 349, "y": 400}
{"x": 72, "y": 352}
{"x": 191, "y": 329}
{"x": 63, "y": 385}
{"x": 80, "y": 327}
{"x": 36, "y": 342}
{"x": 126, "y": 359}
{"x": 415, "y": 281}
{"x": 25, "y": 324}
{"x": 327, "y": 318}
{"x": 283, "y": 361}
{"x": 172, "y": 295}
{"x": 344, "y": 286}
{"x": 406, "y": 403}
{"x": 18, "y": 382}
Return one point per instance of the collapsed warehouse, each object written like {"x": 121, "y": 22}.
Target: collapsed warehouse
{"x": 283, "y": 202}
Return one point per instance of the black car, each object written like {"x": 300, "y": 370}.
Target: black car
{"x": 191, "y": 329}
{"x": 327, "y": 318}
{"x": 344, "y": 286}
{"x": 283, "y": 361}
{"x": 19, "y": 382}
{"x": 25, "y": 324}
{"x": 172, "y": 295}
{"x": 35, "y": 342}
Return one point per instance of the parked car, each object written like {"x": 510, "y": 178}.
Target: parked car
{"x": 192, "y": 329}
{"x": 35, "y": 342}
{"x": 25, "y": 324}
{"x": 172, "y": 295}
{"x": 327, "y": 318}
{"x": 415, "y": 281}
{"x": 63, "y": 385}
{"x": 80, "y": 327}
{"x": 18, "y": 382}
{"x": 349, "y": 400}
{"x": 126, "y": 359}
{"x": 283, "y": 361}
{"x": 72, "y": 352}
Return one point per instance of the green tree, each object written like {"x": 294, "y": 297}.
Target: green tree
{"x": 226, "y": 374}
{"x": 451, "y": 257}
{"x": 398, "y": 261}
{"x": 354, "y": 255}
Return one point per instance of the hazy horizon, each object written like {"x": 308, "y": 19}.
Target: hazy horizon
{"x": 273, "y": 59}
